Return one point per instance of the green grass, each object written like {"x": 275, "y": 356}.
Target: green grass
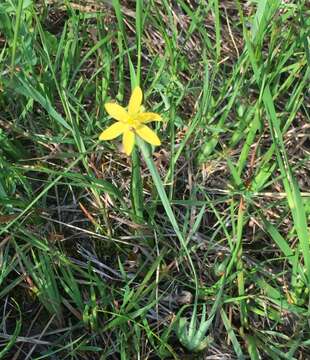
{"x": 199, "y": 251}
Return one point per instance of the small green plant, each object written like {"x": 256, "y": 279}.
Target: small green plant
{"x": 192, "y": 334}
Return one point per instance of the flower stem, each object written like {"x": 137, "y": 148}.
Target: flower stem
{"x": 136, "y": 187}
{"x": 145, "y": 150}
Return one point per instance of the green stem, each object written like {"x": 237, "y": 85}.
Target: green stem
{"x": 16, "y": 31}
{"x": 136, "y": 187}
{"x": 166, "y": 204}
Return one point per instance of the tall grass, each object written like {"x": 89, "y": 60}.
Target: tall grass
{"x": 197, "y": 249}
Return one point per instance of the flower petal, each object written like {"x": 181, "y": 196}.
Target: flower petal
{"x": 113, "y": 131}
{"x": 148, "y": 135}
{"x": 148, "y": 117}
{"x": 117, "y": 112}
{"x": 135, "y": 101}
{"x": 128, "y": 141}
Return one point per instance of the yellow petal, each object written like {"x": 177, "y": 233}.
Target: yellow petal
{"x": 148, "y": 117}
{"x": 117, "y": 112}
{"x": 128, "y": 141}
{"x": 113, "y": 131}
{"x": 148, "y": 135}
{"x": 135, "y": 101}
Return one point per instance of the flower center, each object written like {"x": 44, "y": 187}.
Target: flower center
{"x": 133, "y": 122}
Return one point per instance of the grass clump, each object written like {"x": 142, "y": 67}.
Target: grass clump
{"x": 198, "y": 248}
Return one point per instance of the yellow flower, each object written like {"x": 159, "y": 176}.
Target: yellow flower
{"x": 131, "y": 122}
